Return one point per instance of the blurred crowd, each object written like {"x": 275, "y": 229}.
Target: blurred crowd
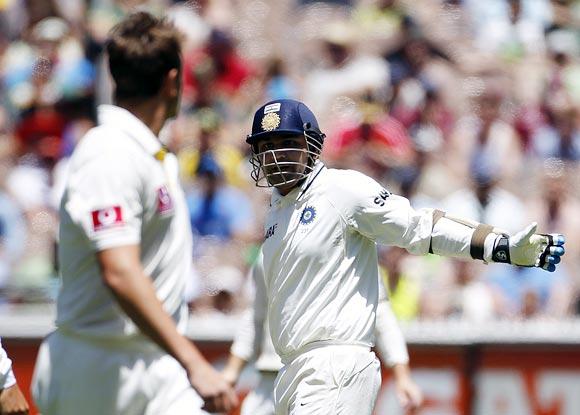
{"x": 469, "y": 106}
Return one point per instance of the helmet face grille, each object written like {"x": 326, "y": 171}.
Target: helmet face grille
{"x": 284, "y": 166}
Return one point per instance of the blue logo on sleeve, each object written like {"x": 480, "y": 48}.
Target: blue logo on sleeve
{"x": 308, "y": 215}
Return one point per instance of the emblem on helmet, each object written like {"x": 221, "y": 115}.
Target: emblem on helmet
{"x": 308, "y": 215}
{"x": 271, "y": 121}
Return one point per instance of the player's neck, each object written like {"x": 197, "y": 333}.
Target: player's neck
{"x": 284, "y": 190}
{"x": 152, "y": 112}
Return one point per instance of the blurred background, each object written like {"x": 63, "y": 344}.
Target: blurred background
{"x": 469, "y": 106}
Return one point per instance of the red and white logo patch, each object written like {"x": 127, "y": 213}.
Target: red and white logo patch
{"x": 164, "y": 202}
{"x": 107, "y": 218}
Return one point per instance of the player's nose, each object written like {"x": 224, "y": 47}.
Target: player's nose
{"x": 281, "y": 153}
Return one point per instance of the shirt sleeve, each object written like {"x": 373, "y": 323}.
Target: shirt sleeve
{"x": 104, "y": 197}
{"x": 7, "y": 378}
{"x": 249, "y": 337}
{"x": 390, "y": 220}
{"x": 390, "y": 342}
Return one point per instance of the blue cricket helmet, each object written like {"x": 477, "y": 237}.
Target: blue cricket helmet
{"x": 280, "y": 118}
{"x": 284, "y": 117}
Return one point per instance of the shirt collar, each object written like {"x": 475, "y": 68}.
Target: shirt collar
{"x": 131, "y": 125}
{"x": 297, "y": 192}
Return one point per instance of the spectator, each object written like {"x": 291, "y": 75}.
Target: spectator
{"x": 49, "y": 69}
{"x": 431, "y": 123}
{"x": 555, "y": 207}
{"x": 278, "y": 84}
{"x": 486, "y": 136}
{"x": 216, "y": 209}
{"x": 202, "y": 133}
{"x": 484, "y": 201}
{"x": 374, "y": 142}
{"x": 345, "y": 74}
{"x": 378, "y": 20}
{"x": 472, "y": 298}
{"x": 511, "y": 28}
{"x": 215, "y": 72}
{"x": 559, "y": 137}
{"x": 27, "y": 246}
{"x": 524, "y": 293}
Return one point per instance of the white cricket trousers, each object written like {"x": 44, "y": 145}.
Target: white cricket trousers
{"x": 260, "y": 401}
{"x": 329, "y": 380}
{"x": 74, "y": 376}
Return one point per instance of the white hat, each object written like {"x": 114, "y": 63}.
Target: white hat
{"x": 51, "y": 29}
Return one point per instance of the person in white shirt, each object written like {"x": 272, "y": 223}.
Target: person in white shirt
{"x": 125, "y": 251}
{"x": 320, "y": 261}
{"x": 12, "y": 401}
{"x": 251, "y": 342}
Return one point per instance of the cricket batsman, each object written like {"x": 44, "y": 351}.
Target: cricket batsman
{"x": 319, "y": 264}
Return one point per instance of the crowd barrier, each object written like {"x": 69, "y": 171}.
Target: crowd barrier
{"x": 487, "y": 368}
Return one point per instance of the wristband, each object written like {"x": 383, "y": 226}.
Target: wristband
{"x": 501, "y": 250}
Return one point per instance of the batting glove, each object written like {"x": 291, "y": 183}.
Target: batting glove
{"x": 530, "y": 249}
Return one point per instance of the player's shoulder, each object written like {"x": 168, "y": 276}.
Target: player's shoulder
{"x": 103, "y": 140}
{"x": 346, "y": 180}
{"x": 349, "y": 188}
{"x": 102, "y": 146}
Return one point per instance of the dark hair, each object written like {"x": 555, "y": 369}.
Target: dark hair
{"x": 142, "y": 49}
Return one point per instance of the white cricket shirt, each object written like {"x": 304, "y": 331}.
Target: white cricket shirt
{"x": 117, "y": 193}
{"x": 253, "y": 338}
{"x": 320, "y": 258}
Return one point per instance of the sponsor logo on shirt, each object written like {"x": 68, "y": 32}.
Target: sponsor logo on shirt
{"x": 271, "y": 230}
{"x": 308, "y": 215}
{"x": 380, "y": 199}
{"x": 107, "y": 218}
{"x": 164, "y": 202}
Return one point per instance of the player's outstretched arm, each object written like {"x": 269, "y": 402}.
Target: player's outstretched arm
{"x": 123, "y": 274}
{"x": 389, "y": 219}
{"x": 526, "y": 248}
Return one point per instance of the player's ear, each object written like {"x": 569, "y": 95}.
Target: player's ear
{"x": 172, "y": 83}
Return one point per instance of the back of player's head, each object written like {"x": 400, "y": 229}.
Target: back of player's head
{"x": 142, "y": 49}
